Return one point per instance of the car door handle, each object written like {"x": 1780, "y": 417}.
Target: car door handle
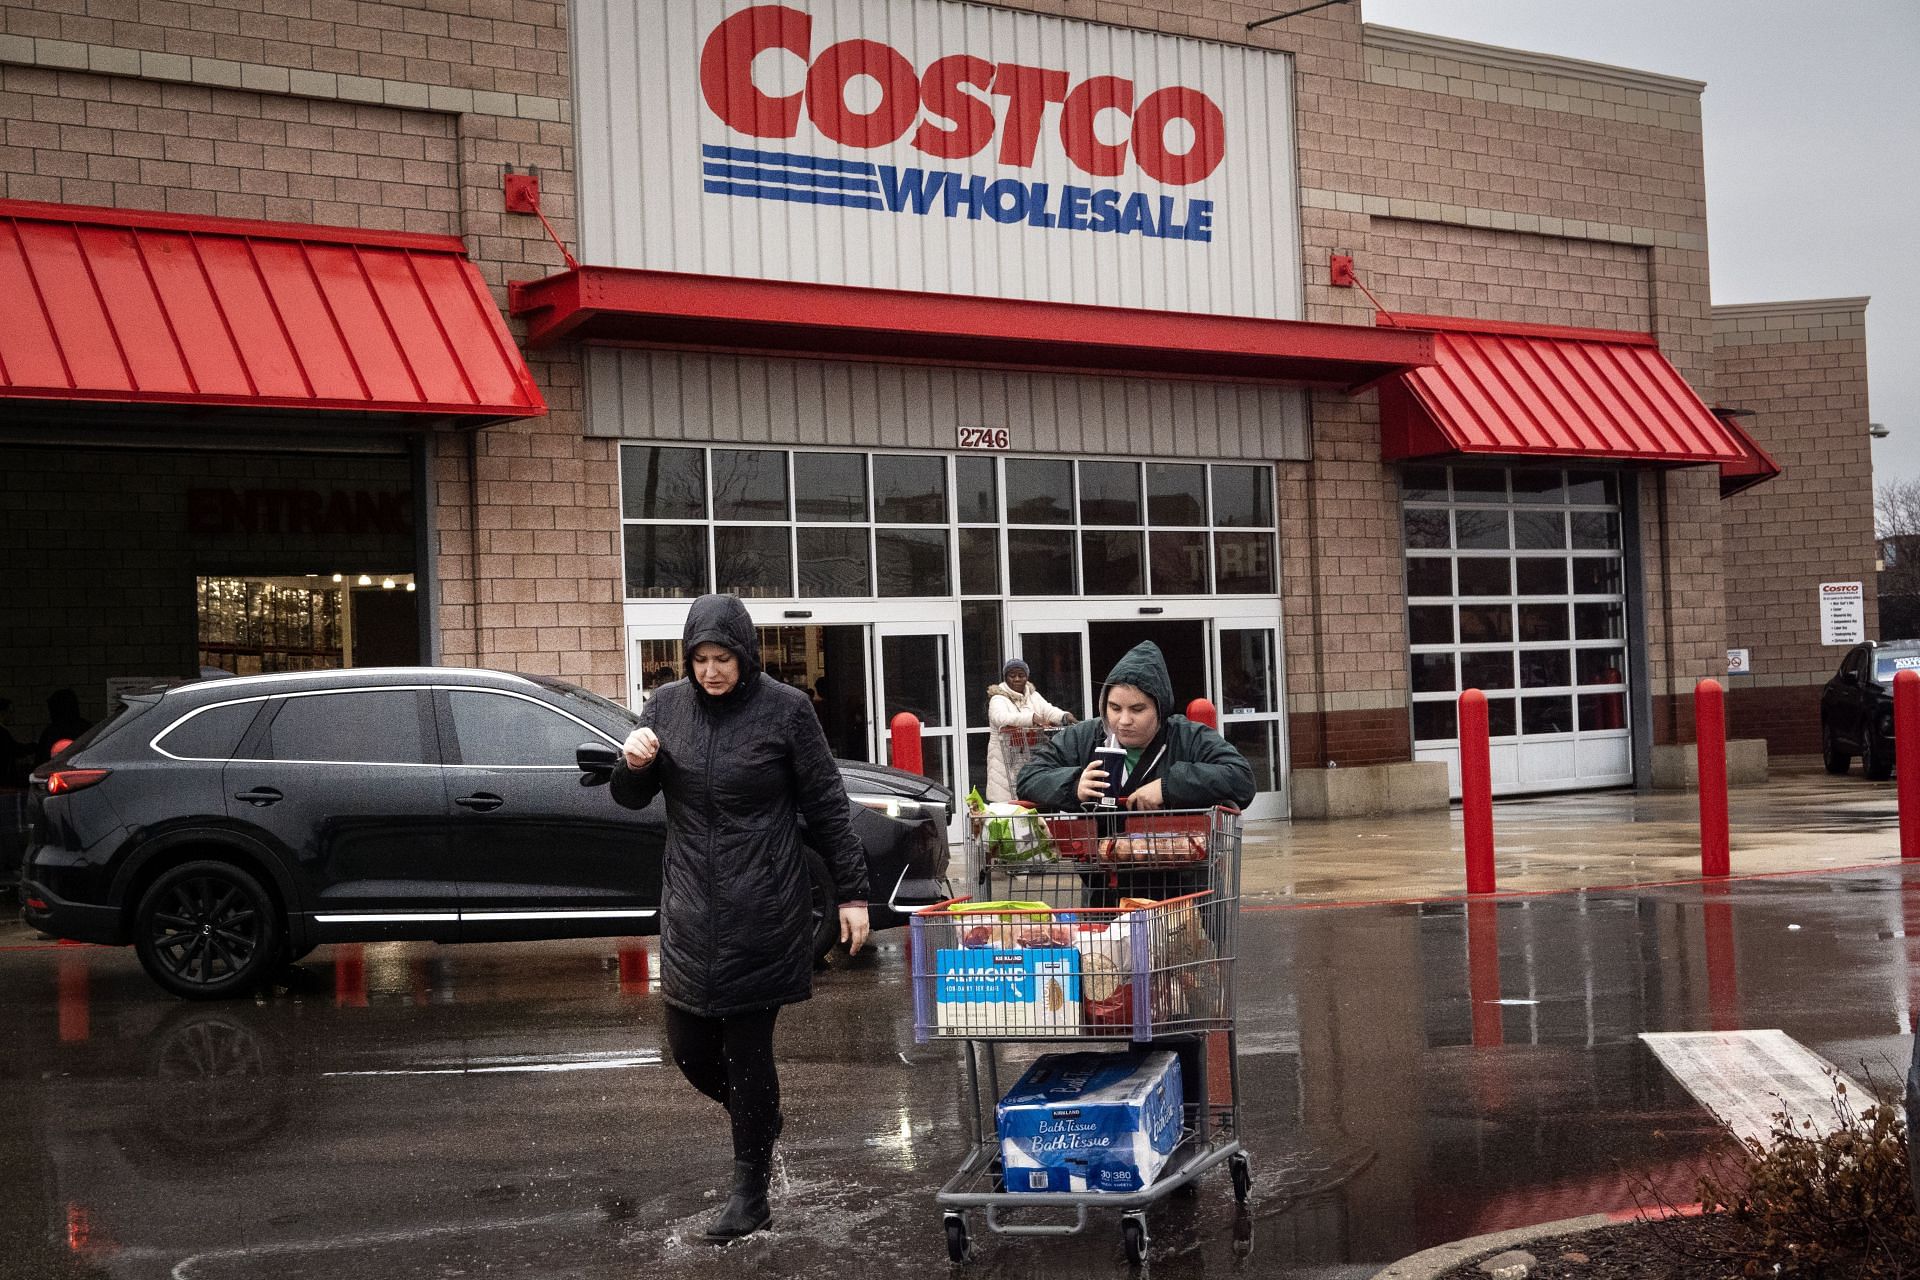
{"x": 260, "y": 797}
{"x": 480, "y": 802}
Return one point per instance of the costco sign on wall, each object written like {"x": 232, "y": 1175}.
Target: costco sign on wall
{"x": 937, "y": 146}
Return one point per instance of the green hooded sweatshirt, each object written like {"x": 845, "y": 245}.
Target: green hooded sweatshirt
{"x": 1195, "y": 766}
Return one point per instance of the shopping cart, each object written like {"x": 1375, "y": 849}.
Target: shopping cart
{"x": 1022, "y": 742}
{"x": 1124, "y": 927}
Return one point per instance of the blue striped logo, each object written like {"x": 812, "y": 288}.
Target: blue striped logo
{"x": 884, "y": 188}
{"x": 779, "y": 175}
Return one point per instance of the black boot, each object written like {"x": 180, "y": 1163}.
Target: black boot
{"x": 747, "y": 1210}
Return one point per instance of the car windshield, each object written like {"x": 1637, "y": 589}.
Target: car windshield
{"x": 1888, "y": 662}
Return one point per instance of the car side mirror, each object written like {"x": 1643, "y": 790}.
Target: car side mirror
{"x": 596, "y": 761}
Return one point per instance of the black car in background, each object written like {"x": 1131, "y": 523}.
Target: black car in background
{"x": 225, "y": 827}
{"x": 1856, "y": 706}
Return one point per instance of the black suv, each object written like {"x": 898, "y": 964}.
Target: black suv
{"x": 227, "y": 826}
{"x": 1856, "y": 707}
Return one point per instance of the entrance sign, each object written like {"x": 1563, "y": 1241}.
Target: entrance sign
{"x": 934, "y": 146}
{"x": 1843, "y": 613}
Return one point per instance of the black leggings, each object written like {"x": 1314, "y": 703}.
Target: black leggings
{"x": 731, "y": 1061}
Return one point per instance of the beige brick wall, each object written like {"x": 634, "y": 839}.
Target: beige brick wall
{"x": 386, "y": 116}
{"x": 1801, "y": 367}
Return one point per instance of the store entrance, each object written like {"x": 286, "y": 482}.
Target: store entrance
{"x": 254, "y": 625}
{"x": 1183, "y": 642}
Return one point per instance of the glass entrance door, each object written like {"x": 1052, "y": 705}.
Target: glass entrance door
{"x": 1252, "y": 716}
{"x": 915, "y": 674}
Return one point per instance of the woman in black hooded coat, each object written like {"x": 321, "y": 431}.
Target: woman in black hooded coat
{"x": 741, "y": 757}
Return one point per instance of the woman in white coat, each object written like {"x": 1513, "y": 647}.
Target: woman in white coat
{"x": 1014, "y": 708}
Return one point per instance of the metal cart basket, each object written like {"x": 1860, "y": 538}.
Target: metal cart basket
{"x": 1111, "y": 929}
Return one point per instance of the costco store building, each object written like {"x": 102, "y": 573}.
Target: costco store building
{"x": 1355, "y": 367}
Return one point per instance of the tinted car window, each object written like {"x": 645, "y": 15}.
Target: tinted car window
{"x": 496, "y": 729}
{"x": 370, "y": 726}
{"x": 212, "y": 734}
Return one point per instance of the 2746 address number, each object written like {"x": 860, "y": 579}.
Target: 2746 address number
{"x": 992, "y": 439}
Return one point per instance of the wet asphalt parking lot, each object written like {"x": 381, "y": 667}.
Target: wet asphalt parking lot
{"x": 1411, "y": 1074}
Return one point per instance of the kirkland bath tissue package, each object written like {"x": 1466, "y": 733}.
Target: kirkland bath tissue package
{"x": 1091, "y": 1122}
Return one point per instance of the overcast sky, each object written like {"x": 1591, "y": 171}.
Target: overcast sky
{"x": 1812, "y": 137}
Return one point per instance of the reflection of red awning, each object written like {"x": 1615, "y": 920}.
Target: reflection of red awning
{"x": 658, "y": 308}
{"x": 1541, "y": 391}
{"x": 120, "y": 306}
{"x": 1757, "y": 467}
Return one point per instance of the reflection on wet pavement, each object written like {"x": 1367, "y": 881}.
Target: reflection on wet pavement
{"x": 1413, "y": 1072}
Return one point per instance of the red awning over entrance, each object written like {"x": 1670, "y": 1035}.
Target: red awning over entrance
{"x": 120, "y": 306}
{"x": 1542, "y": 391}
{"x": 1757, "y": 467}
{"x": 657, "y": 308}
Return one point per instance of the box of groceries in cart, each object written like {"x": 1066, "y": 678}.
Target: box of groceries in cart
{"x": 1080, "y": 1122}
{"x": 1030, "y": 969}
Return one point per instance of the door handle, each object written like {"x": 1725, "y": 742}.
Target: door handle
{"x": 260, "y": 797}
{"x": 480, "y": 802}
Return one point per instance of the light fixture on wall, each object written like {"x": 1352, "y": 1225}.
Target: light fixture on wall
{"x": 365, "y": 580}
{"x": 410, "y": 586}
{"x": 339, "y": 577}
{"x": 386, "y": 584}
{"x": 1879, "y": 430}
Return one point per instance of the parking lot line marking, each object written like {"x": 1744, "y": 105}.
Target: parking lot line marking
{"x": 624, "y": 1063}
{"x": 1746, "y": 1078}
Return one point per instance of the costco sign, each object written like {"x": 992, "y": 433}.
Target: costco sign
{"x": 923, "y": 144}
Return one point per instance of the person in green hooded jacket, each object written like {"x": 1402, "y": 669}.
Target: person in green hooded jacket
{"x": 1172, "y": 762}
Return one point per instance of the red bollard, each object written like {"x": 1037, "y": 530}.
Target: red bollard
{"x": 1476, "y": 791}
{"x": 1204, "y": 712}
{"x": 1710, "y": 735}
{"x": 1906, "y": 731}
{"x": 1723, "y": 981}
{"x": 906, "y": 743}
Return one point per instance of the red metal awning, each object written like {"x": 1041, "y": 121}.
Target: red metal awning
{"x": 658, "y": 308}
{"x": 1543, "y": 391}
{"x": 1757, "y": 467}
{"x": 120, "y": 306}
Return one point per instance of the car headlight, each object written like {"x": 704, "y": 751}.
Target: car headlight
{"x": 893, "y": 806}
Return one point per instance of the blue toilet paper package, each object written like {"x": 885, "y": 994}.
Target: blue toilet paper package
{"x": 1091, "y": 1122}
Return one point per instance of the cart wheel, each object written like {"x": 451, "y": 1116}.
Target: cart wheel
{"x": 958, "y": 1249}
{"x": 1242, "y": 1169}
{"x": 1133, "y": 1229}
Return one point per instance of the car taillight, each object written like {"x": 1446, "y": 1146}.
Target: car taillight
{"x": 61, "y": 781}
{"x": 36, "y": 904}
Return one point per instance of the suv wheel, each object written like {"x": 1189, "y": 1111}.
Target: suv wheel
{"x": 1831, "y": 755}
{"x": 207, "y": 930}
{"x": 1876, "y": 756}
{"x": 826, "y": 932}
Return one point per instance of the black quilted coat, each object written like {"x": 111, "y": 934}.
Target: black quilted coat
{"x": 736, "y": 914}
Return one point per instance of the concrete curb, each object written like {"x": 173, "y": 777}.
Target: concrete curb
{"x": 1436, "y": 1261}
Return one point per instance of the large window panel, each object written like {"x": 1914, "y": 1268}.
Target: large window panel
{"x": 1179, "y": 562}
{"x": 976, "y": 490}
{"x": 835, "y": 562}
{"x": 830, "y": 486}
{"x": 909, "y": 488}
{"x": 753, "y": 560}
{"x": 1434, "y": 673}
{"x": 1110, "y": 493}
{"x": 1176, "y": 494}
{"x": 912, "y": 562}
{"x": 750, "y": 484}
{"x": 1040, "y": 562}
{"x": 1243, "y": 564}
{"x": 663, "y": 483}
{"x": 666, "y": 561}
{"x": 1039, "y": 491}
{"x": 979, "y": 562}
{"x": 1110, "y": 562}
{"x": 1243, "y": 496}
{"x": 980, "y": 659}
